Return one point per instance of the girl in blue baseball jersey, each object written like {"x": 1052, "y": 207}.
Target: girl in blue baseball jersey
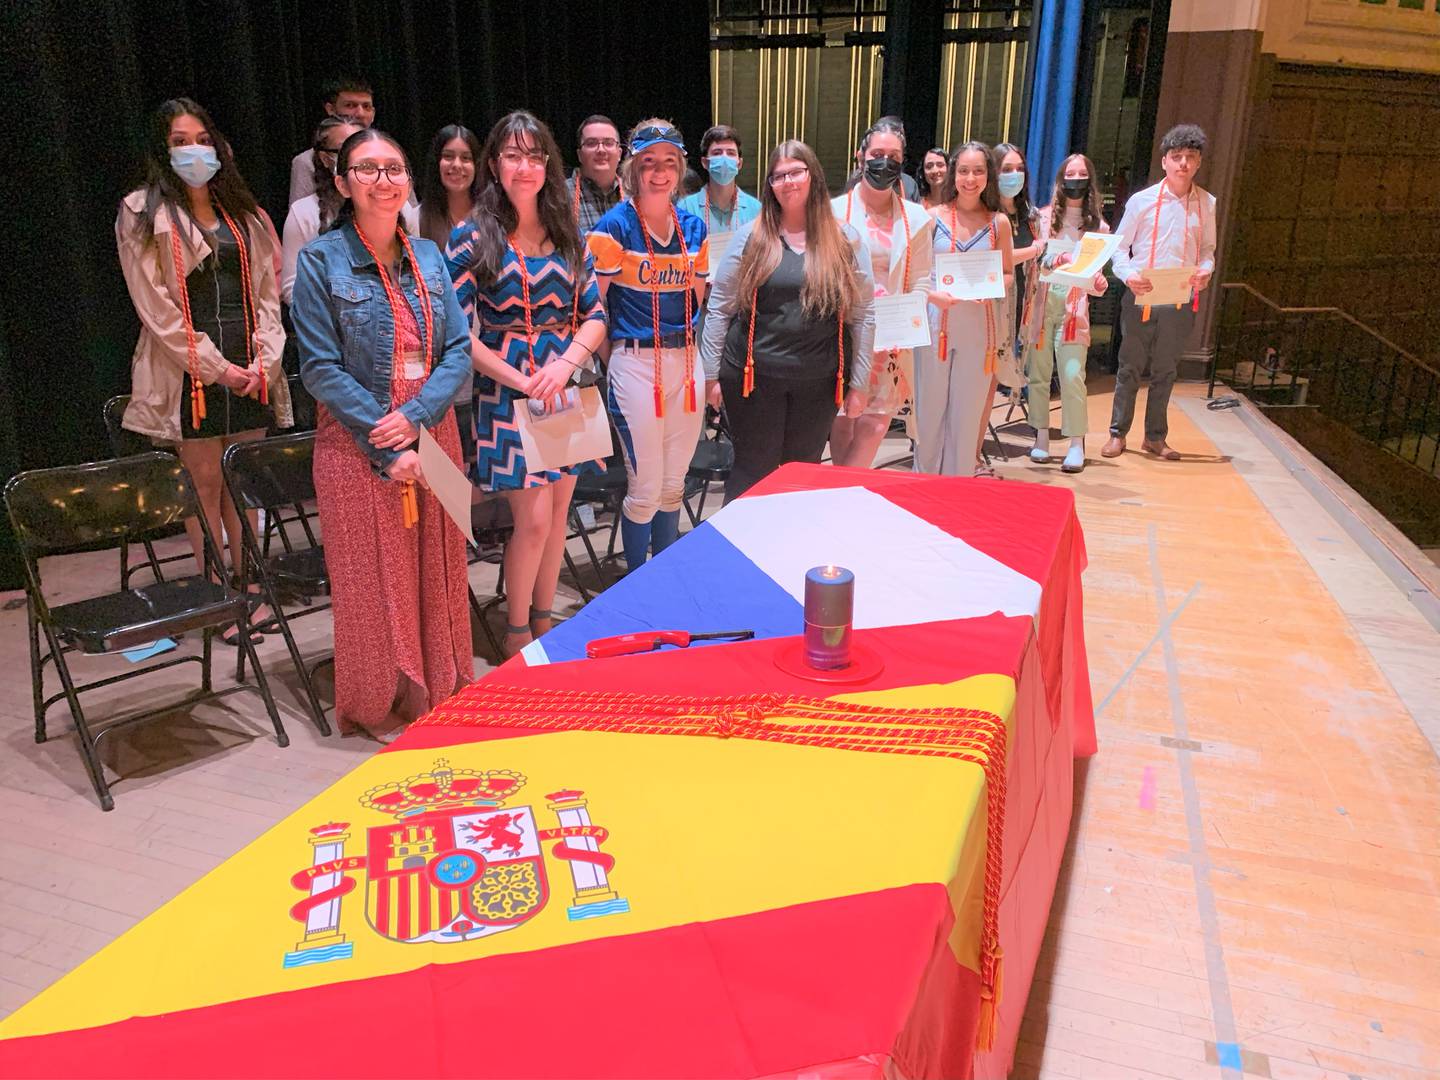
{"x": 651, "y": 259}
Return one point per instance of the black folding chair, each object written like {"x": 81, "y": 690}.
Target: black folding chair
{"x": 101, "y": 505}
{"x": 274, "y": 475}
{"x": 125, "y": 443}
{"x": 603, "y": 492}
{"x": 711, "y": 464}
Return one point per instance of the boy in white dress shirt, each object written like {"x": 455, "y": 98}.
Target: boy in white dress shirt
{"x": 1170, "y": 224}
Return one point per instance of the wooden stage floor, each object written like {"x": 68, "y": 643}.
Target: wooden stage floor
{"x": 1253, "y": 881}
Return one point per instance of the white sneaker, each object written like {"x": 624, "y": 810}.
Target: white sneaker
{"x": 1074, "y": 457}
{"x": 1040, "y": 452}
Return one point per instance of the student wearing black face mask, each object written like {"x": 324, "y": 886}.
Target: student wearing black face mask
{"x": 1057, "y": 320}
{"x": 896, "y": 232}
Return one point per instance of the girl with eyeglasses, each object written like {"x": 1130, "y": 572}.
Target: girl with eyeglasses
{"x": 789, "y": 323}
{"x": 200, "y": 267}
{"x": 652, "y": 259}
{"x": 384, "y": 350}
{"x": 1057, "y": 323}
{"x": 527, "y": 284}
{"x": 897, "y": 235}
{"x": 955, "y": 386}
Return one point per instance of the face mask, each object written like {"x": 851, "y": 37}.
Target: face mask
{"x": 723, "y": 169}
{"x": 881, "y": 172}
{"x": 1011, "y": 183}
{"x": 1075, "y": 189}
{"x": 195, "y": 164}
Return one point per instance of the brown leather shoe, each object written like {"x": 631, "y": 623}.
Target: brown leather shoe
{"x": 1114, "y": 448}
{"x": 1161, "y": 450}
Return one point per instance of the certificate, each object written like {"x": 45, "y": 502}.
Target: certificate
{"x": 1054, "y": 248}
{"x": 1091, "y": 255}
{"x": 446, "y": 482}
{"x": 1172, "y": 286}
{"x": 970, "y": 275}
{"x": 901, "y": 322}
{"x": 568, "y": 437}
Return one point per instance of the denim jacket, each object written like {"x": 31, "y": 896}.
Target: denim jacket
{"x": 346, "y": 335}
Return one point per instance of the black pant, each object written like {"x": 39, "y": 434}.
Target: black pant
{"x": 1157, "y": 343}
{"x": 782, "y": 420}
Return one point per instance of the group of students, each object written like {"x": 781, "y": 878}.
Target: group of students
{"x": 514, "y": 280}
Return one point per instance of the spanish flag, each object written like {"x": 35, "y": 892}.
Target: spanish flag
{"x": 686, "y": 864}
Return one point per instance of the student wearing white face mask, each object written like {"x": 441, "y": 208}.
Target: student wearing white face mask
{"x": 721, "y": 204}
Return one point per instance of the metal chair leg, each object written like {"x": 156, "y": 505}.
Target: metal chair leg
{"x": 575, "y": 573}
{"x": 37, "y": 668}
{"x": 589, "y": 548}
{"x": 87, "y": 741}
{"x": 281, "y": 620}
{"x": 261, "y": 682}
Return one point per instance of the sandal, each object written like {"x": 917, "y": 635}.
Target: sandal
{"x": 510, "y": 647}
{"x": 541, "y": 615}
{"x": 986, "y": 472}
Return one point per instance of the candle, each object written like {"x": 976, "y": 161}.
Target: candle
{"x": 829, "y": 612}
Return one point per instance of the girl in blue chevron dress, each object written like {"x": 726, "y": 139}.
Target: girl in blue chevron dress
{"x": 515, "y": 263}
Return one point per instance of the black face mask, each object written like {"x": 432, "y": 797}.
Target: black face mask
{"x": 1075, "y": 189}
{"x": 881, "y": 173}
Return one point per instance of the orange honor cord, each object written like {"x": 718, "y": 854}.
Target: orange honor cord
{"x": 192, "y": 359}
{"x": 945, "y": 315}
{"x": 525, "y": 303}
{"x": 689, "y": 284}
{"x": 247, "y": 299}
{"x": 1184, "y": 242}
{"x": 968, "y": 735}
{"x": 748, "y": 384}
{"x": 840, "y": 351}
{"x": 409, "y": 500}
{"x": 991, "y": 333}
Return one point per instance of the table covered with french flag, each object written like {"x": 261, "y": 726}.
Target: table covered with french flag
{"x": 685, "y": 863}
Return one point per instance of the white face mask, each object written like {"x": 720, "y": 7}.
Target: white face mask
{"x": 195, "y": 164}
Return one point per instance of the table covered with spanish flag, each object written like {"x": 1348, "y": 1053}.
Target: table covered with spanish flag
{"x": 687, "y": 863}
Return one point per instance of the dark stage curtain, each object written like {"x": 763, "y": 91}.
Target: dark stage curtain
{"x": 80, "y": 80}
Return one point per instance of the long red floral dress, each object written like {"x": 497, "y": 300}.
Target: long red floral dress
{"x": 399, "y": 596}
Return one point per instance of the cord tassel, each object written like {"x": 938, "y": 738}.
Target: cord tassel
{"x": 659, "y": 401}
{"x": 1145, "y": 313}
{"x": 690, "y": 393}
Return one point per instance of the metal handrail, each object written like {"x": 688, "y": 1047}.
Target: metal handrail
{"x": 1390, "y": 398}
{"x": 1273, "y": 306}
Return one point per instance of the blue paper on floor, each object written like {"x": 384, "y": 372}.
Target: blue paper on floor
{"x": 145, "y": 652}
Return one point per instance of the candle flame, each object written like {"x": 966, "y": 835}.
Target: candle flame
{"x": 830, "y": 572}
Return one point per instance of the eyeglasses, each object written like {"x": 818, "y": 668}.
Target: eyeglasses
{"x": 513, "y": 159}
{"x": 600, "y": 144}
{"x": 793, "y": 176}
{"x": 367, "y": 172}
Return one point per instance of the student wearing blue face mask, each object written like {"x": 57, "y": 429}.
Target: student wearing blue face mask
{"x": 199, "y": 264}
{"x": 720, "y": 203}
{"x": 1013, "y": 182}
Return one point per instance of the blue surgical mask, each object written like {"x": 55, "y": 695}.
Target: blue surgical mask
{"x": 1011, "y": 183}
{"x": 722, "y": 168}
{"x": 195, "y": 164}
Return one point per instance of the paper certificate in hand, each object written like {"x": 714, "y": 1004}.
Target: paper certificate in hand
{"x": 901, "y": 322}
{"x": 970, "y": 275}
{"x": 1091, "y": 255}
{"x": 446, "y": 482}
{"x": 1171, "y": 286}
